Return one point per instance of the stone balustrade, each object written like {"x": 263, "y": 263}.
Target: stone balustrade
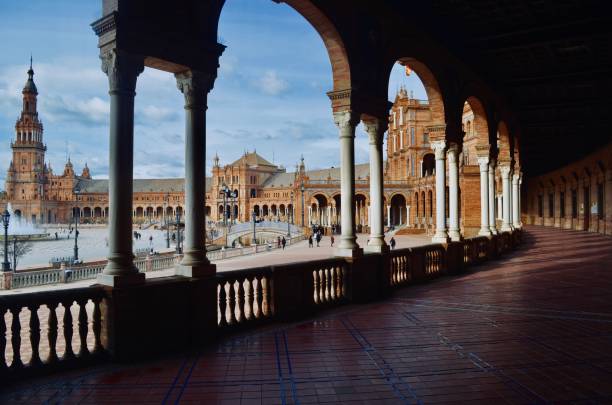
{"x": 56, "y": 329}
{"x": 50, "y": 330}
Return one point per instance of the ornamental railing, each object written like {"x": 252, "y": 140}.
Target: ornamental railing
{"x": 251, "y": 296}
{"x": 50, "y": 329}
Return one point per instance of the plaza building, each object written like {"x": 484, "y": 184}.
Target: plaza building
{"x": 261, "y": 189}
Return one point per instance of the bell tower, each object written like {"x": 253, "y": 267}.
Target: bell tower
{"x": 26, "y": 173}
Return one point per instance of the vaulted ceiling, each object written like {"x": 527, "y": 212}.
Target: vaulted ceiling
{"x": 551, "y": 59}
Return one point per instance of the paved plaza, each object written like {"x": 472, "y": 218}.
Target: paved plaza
{"x": 521, "y": 330}
{"x": 292, "y": 254}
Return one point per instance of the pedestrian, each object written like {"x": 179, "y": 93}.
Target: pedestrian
{"x": 318, "y": 238}
{"x": 284, "y": 242}
{"x": 332, "y": 240}
{"x": 310, "y": 241}
{"x": 392, "y": 243}
{"x": 278, "y": 242}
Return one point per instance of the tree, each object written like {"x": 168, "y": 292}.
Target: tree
{"x": 16, "y": 249}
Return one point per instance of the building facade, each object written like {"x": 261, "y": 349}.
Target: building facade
{"x": 263, "y": 190}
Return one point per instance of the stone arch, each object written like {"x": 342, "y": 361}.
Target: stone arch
{"x": 97, "y": 212}
{"x": 428, "y": 165}
{"x": 332, "y": 40}
{"x": 256, "y": 210}
{"x": 398, "y": 204}
{"x": 431, "y": 85}
{"x": 159, "y": 212}
{"x": 430, "y": 203}
{"x": 475, "y": 116}
{"x": 503, "y": 142}
{"x": 87, "y": 212}
{"x": 361, "y": 211}
{"x": 265, "y": 210}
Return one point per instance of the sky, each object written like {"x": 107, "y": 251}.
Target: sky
{"x": 270, "y": 94}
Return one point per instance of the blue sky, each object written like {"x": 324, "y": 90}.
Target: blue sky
{"x": 269, "y": 94}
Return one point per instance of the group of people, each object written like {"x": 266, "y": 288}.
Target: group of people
{"x": 281, "y": 242}
{"x": 317, "y": 235}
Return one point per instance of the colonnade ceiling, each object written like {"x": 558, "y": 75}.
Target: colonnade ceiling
{"x": 543, "y": 67}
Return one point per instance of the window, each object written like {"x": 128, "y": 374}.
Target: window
{"x": 574, "y": 204}
{"x": 562, "y": 204}
{"x": 551, "y": 205}
{"x": 425, "y": 137}
{"x": 412, "y": 136}
{"x": 540, "y": 206}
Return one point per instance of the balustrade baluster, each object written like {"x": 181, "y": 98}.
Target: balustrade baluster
{"x": 3, "y": 365}
{"x": 267, "y": 292}
{"x": 326, "y": 284}
{"x": 52, "y": 333}
{"x": 97, "y": 326}
{"x": 248, "y": 293}
{"x": 222, "y": 305}
{"x": 332, "y": 283}
{"x": 338, "y": 282}
{"x": 258, "y": 297}
{"x": 16, "y": 338}
{"x": 69, "y": 353}
{"x": 240, "y": 301}
{"x": 316, "y": 281}
{"x": 83, "y": 327}
{"x": 231, "y": 303}
{"x": 34, "y": 335}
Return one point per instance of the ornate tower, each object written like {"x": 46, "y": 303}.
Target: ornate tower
{"x": 26, "y": 177}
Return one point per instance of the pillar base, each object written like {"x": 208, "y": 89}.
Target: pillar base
{"x": 121, "y": 280}
{"x": 506, "y": 228}
{"x": 377, "y": 248}
{"x": 493, "y": 231}
{"x": 484, "y": 232}
{"x": 196, "y": 271}
{"x": 454, "y": 236}
{"x": 440, "y": 239}
{"x": 348, "y": 252}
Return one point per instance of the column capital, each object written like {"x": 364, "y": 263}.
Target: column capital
{"x": 484, "y": 163}
{"x": 376, "y": 128}
{"x": 195, "y": 86}
{"x": 439, "y": 148}
{"x": 516, "y": 178}
{"x": 505, "y": 169}
{"x": 492, "y": 162}
{"x": 346, "y": 119}
{"x": 122, "y": 70}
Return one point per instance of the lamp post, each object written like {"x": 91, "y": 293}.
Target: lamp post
{"x": 302, "y": 189}
{"x": 76, "y": 228}
{"x": 6, "y": 217}
{"x": 167, "y": 223}
{"x": 178, "y": 232}
{"x": 290, "y": 213}
{"x": 254, "y": 229}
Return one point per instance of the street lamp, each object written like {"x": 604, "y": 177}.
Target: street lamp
{"x": 290, "y": 213}
{"x": 254, "y": 229}
{"x": 302, "y": 189}
{"x": 167, "y": 223}
{"x": 76, "y": 228}
{"x": 6, "y": 217}
{"x": 178, "y": 232}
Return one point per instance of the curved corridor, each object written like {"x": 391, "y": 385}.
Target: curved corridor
{"x": 532, "y": 327}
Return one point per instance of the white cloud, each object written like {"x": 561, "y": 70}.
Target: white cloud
{"x": 270, "y": 83}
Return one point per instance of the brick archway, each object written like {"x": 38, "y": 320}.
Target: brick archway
{"x": 334, "y": 44}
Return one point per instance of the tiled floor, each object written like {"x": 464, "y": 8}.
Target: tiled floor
{"x": 534, "y": 327}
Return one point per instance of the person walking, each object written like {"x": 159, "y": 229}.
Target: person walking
{"x": 284, "y": 242}
{"x": 332, "y": 240}
{"x": 318, "y": 238}
{"x": 392, "y": 243}
{"x": 310, "y": 241}
{"x": 278, "y": 242}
